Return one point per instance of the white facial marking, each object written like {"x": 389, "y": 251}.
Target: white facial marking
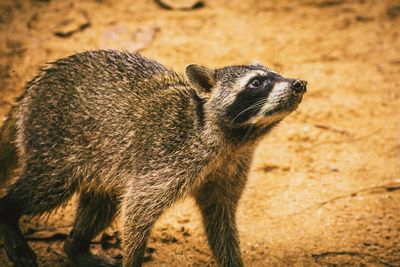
{"x": 241, "y": 84}
{"x": 269, "y": 70}
{"x": 279, "y": 91}
{"x": 245, "y": 80}
{"x": 265, "y": 120}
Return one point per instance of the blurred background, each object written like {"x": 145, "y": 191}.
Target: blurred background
{"x": 325, "y": 185}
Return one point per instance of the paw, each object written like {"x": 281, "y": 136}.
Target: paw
{"x": 91, "y": 260}
{"x": 23, "y": 256}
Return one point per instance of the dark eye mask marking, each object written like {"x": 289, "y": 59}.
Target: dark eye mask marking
{"x": 249, "y": 102}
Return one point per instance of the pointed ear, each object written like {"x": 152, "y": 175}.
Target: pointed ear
{"x": 201, "y": 78}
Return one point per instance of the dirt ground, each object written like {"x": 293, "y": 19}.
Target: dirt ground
{"x": 325, "y": 185}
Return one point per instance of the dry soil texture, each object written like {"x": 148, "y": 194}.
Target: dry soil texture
{"x": 324, "y": 188}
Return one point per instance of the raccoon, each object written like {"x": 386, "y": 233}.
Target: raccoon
{"x": 131, "y": 136}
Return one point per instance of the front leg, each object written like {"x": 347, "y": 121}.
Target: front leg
{"x": 143, "y": 203}
{"x": 218, "y": 201}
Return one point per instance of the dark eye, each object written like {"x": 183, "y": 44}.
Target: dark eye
{"x": 256, "y": 83}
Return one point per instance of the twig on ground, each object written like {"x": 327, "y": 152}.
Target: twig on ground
{"x": 318, "y": 256}
{"x": 55, "y": 252}
{"x": 172, "y": 6}
{"x": 389, "y": 187}
{"x": 52, "y": 237}
{"x": 331, "y": 128}
{"x": 349, "y": 140}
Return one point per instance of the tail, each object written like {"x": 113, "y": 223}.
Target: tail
{"x": 8, "y": 150}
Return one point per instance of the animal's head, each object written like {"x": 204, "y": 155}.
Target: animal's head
{"x": 246, "y": 99}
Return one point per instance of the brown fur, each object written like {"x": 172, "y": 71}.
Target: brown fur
{"x": 128, "y": 134}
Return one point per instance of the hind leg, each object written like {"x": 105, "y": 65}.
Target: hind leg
{"x": 15, "y": 245}
{"x": 95, "y": 212}
{"x": 30, "y": 195}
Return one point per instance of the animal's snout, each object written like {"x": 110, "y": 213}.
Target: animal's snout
{"x": 298, "y": 86}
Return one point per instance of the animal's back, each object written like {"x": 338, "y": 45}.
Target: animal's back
{"x": 75, "y": 115}
{"x": 129, "y": 135}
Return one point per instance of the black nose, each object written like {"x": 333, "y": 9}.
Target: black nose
{"x": 299, "y": 86}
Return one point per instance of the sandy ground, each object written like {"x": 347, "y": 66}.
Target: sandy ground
{"x": 324, "y": 188}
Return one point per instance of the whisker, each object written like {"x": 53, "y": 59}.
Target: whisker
{"x": 255, "y": 105}
{"x": 248, "y": 131}
{"x": 252, "y": 126}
